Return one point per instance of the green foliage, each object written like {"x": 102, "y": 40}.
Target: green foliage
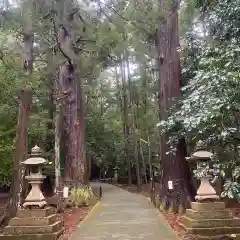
{"x": 231, "y": 190}
{"x": 8, "y": 115}
{"x": 211, "y": 98}
{"x": 210, "y": 103}
{"x": 80, "y": 196}
{"x": 188, "y": 13}
{"x": 202, "y": 171}
{"x": 6, "y": 156}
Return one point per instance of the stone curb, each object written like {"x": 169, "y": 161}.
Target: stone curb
{"x": 85, "y": 221}
{"x": 92, "y": 211}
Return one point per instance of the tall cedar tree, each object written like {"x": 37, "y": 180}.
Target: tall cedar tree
{"x": 73, "y": 102}
{"x": 175, "y": 167}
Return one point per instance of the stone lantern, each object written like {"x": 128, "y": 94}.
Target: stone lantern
{"x": 34, "y": 165}
{"x": 208, "y": 217}
{"x": 205, "y": 191}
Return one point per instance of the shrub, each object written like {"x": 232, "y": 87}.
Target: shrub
{"x": 81, "y": 196}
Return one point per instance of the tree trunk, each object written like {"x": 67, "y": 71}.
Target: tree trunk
{"x": 73, "y": 125}
{"x": 131, "y": 106}
{"x": 150, "y": 158}
{"x": 49, "y": 141}
{"x": 175, "y": 168}
{"x": 20, "y": 154}
{"x": 145, "y": 103}
{"x": 82, "y": 154}
{"x": 135, "y": 127}
{"x": 51, "y": 103}
{"x": 143, "y": 162}
{"x": 57, "y": 149}
{"x": 136, "y": 158}
{"x": 73, "y": 105}
{"x": 125, "y": 120}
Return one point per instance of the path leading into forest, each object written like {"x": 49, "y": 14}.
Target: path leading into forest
{"x": 122, "y": 215}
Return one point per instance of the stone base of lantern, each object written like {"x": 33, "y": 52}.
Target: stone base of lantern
{"x": 39, "y": 204}
{"x": 32, "y": 224}
{"x": 210, "y": 220}
{"x": 35, "y": 197}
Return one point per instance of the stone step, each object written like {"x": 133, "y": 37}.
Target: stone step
{"x": 41, "y": 236}
{"x": 218, "y": 237}
{"x": 33, "y": 229}
{"x": 207, "y": 206}
{"x": 202, "y": 223}
{"x": 40, "y": 221}
{"x": 211, "y": 231}
{"x": 25, "y": 213}
{"x": 220, "y": 214}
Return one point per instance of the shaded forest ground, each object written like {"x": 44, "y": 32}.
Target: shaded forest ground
{"x": 71, "y": 217}
{"x": 173, "y": 218}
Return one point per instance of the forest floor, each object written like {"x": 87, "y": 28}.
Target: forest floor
{"x": 173, "y": 218}
{"x": 71, "y": 217}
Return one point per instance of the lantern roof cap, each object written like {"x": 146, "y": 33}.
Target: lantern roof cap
{"x": 35, "y": 158}
{"x": 36, "y": 151}
{"x": 202, "y": 155}
{"x": 35, "y": 161}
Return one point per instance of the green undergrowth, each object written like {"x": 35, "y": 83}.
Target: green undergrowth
{"x": 169, "y": 207}
{"x": 82, "y": 197}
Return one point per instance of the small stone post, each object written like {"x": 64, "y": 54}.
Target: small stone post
{"x": 35, "y": 178}
{"x": 115, "y": 178}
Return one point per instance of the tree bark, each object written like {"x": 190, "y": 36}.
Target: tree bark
{"x": 143, "y": 162}
{"x": 135, "y": 127}
{"x": 73, "y": 105}
{"x": 125, "y": 120}
{"x": 21, "y": 144}
{"x": 175, "y": 168}
{"x": 73, "y": 125}
{"x": 57, "y": 149}
{"x": 49, "y": 140}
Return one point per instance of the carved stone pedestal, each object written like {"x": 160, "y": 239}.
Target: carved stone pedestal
{"x": 33, "y": 224}
{"x": 35, "y": 197}
{"x": 210, "y": 220}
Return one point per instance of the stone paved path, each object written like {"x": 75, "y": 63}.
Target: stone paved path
{"x": 122, "y": 215}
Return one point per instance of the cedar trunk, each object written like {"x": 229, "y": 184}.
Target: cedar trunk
{"x": 73, "y": 126}
{"x": 126, "y": 129}
{"x": 21, "y": 143}
{"x": 175, "y": 167}
{"x": 57, "y": 149}
{"x": 73, "y": 102}
{"x": 135, "y": 127}
{"x": 49, "y": 141}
